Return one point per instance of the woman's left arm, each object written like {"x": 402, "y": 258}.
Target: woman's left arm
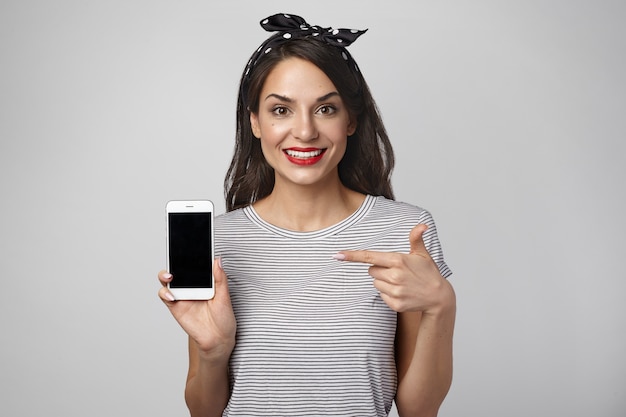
{"x": 424, "y": 357}
{"x": 412, "y": 285}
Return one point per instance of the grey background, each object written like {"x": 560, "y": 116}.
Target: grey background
{"x": 508, "y": 122}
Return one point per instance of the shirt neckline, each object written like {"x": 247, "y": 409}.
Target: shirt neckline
{"x": 360, "y": 212}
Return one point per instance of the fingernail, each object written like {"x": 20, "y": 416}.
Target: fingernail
{"x": 167, "y": 276}
{"x": 339, "y": 256}
{"x": 219, "y": 262}
{"x": 169, "y": 296}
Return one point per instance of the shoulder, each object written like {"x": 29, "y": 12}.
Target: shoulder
{"x": 230, "y": 229}
{"x": 229, "y": 215}
{"x": 231, "y": 222}
{"x": 400, "y": 217}
{"x": 401, "y": 211}
{"x": 391, "y": 220}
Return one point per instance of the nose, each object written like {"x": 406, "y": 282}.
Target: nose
{"x": 304, "y": 127}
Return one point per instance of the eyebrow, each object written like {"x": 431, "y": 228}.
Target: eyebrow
{"x": 290, "y": 100}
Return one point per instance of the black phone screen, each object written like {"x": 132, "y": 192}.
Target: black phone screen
{"x": 190, "y": 252}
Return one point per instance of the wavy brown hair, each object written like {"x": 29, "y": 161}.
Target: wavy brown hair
{"x": 368, "y": 162}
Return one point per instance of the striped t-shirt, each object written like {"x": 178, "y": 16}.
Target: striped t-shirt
{"x": 314, "y": 337}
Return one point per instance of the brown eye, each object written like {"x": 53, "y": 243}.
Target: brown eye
{"x": 280, "y": 111}
{"x": 327, "y": 110}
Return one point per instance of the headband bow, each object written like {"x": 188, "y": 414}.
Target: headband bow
{"x": 292, "y": 26}
{"x": 295, "y": 27}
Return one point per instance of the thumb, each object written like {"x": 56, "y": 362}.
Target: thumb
{"x": 221, "y": 280}
{"x": 416, "y": 238}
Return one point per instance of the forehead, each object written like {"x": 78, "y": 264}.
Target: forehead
{"x": 296, "y": 76}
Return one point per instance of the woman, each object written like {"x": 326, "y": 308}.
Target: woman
{"x": 331, "y": 298}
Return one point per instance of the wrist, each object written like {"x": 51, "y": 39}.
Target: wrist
{"x": 446, "y": 302}
{"x": 217, "y": 356}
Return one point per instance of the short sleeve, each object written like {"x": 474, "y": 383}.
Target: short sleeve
{"x": 433, "y": 246}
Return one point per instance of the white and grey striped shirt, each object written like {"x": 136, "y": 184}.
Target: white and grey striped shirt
{"x": 314, "y": 337}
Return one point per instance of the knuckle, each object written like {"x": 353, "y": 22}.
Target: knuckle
{"x": 395, "y": 304}
{"x": 395, "y": 259}
{"x": 396, "y": 292}
{"x": 161, "y": 293}
{"x": 395, "y": 277}
{"x": 368, "y": 257}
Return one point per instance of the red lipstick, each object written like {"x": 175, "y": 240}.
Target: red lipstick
{"x": 304, "y": 156}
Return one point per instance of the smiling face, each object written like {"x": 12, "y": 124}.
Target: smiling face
{"x": 302, "y": 123}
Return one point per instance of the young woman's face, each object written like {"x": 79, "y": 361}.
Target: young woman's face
{"x": 302, "y": 123}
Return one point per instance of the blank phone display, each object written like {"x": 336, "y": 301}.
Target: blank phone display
{"x": 190, "y": 260}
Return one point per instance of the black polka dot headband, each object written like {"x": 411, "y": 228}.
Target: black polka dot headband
{"x": 288, "y": 27}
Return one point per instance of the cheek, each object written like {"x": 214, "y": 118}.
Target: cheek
{"x": 270, "y": 147}
{"x": 340, "y": 133}
{"x": 272, "y": 129}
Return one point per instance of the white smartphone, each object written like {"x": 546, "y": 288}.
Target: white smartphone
{"x": 190, "y": 249}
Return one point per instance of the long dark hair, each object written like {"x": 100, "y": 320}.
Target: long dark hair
{"x": 368, "y": 162}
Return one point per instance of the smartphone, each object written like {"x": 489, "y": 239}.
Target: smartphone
{"x": 190, "y": 249}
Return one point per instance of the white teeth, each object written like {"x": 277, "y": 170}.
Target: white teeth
{"x": 302, "y": 155}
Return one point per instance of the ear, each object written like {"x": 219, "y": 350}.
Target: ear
{"x": 351, "y": 127}
{"x": 254, "y": 124}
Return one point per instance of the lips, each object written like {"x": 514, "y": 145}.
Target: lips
{"x": 304, "y": 156}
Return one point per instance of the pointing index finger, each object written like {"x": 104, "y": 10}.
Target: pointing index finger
{"x": 365, "y": 257}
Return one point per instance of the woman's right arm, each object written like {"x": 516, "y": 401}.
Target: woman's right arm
{"x": 208, "y": 388}
{"x": 211, "y": 327}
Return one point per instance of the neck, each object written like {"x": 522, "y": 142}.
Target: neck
{"x": 308, "y": 208}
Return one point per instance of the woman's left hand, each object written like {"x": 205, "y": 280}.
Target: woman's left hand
{"x": 406, "y": 282}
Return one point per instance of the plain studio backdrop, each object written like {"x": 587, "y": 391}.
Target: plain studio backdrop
{"x": 509, "y": 123}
